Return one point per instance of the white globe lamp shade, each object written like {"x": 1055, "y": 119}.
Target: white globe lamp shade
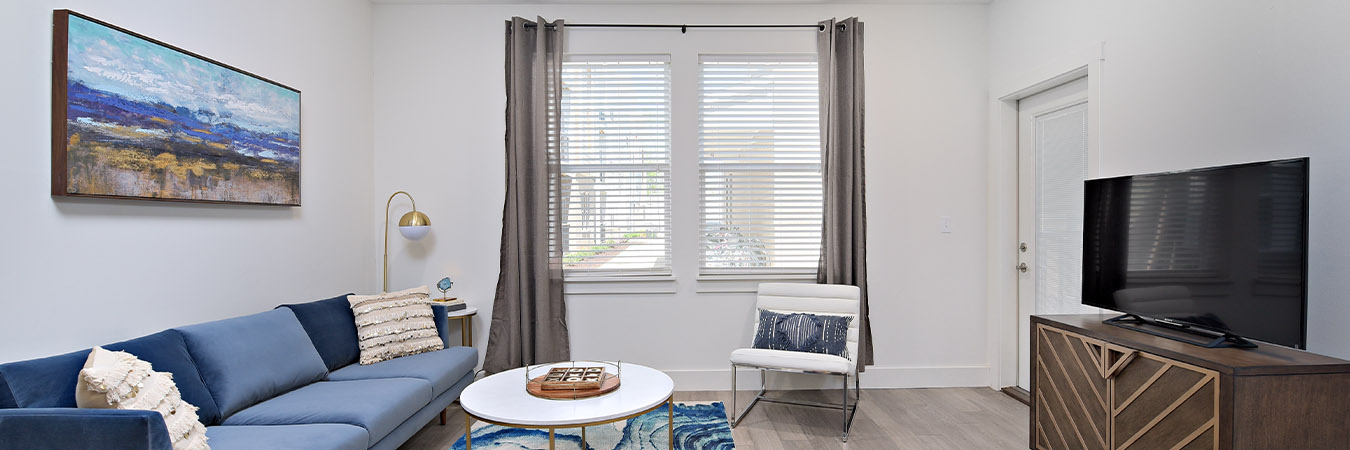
{"x": 414, "y": 233}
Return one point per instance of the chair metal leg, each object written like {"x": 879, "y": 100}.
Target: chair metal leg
{"x": 737, "y": 417}
{"x": 844, "y": 389}
{"x": 849, "y": 412}
{"x": 733, "y": 396}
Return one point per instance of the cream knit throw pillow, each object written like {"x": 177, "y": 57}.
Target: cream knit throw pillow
{"x": 120, "y": 380}
{"x": 394, "y": 324}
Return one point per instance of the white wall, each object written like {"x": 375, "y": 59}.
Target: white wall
{"x": 439, "y": 127}
{"x": 77, "y": 273}
{"x": 1210, "y": 82}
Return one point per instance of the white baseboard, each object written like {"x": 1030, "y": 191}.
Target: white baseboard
{"x": 874, "y": 377}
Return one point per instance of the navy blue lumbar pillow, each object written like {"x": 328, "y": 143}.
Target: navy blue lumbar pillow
{"x": 801, "y": 332}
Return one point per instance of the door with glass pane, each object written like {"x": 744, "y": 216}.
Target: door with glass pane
{"x": 1052, "y": 164}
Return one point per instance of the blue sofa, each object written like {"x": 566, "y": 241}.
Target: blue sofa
{"x": 285, "y": 379}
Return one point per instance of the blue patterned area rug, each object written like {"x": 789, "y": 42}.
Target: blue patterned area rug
{"x": 698, "y": 426}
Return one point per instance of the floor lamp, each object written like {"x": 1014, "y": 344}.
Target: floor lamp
{"x": 413, "y": 226}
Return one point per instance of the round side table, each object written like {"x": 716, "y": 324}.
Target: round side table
{"x": 465, "y": 318}
{"x": 501, "y": 399}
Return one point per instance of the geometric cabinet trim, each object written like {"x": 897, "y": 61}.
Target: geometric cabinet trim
{"x": 1071, "y": 398}
{"x": 1093, "y": 395}
{"x": 1157, "y": 400}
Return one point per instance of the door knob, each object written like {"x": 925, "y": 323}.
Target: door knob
{"x": 1022, "y": 267}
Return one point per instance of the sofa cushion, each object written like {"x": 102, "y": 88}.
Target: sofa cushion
{"x": 248, "y": 359}
{"x": 379, "y": 406}
{"x": 299, "y": 437}
{"x": 50, "y": 382}
{"x": 810, "y": 362}
{"x": 332, "y": 329}
{"x": 318, "y": 436}
{"x": 442, "y": 368}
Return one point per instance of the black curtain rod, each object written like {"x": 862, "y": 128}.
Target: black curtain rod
{"x": 683, "y": 27}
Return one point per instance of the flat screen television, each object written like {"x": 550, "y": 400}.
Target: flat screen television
{"x": 1220, "y": 250}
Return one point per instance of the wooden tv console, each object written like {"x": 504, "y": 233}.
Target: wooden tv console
{"x": 1100, "y": 387}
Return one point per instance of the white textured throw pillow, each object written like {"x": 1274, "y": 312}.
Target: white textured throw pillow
{"x": 394, "y": 324}
{"x": 120, "y": 380}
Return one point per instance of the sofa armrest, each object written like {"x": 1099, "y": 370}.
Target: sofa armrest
{"x": 438, "y": 313}
{"x": 82, "y": 429}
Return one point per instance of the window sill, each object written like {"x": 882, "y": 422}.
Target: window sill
{"x": 663, "y": 284}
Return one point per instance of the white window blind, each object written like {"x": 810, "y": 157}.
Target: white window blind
{"x": 616, "y": 164}
{"x": 1061, "y": 166}
{"x": 759, "y": 164}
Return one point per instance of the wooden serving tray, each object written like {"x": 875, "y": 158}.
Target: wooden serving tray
{"x": 538, "y": 387}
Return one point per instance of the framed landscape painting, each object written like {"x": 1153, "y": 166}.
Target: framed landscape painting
{"x": 133, "y": 117}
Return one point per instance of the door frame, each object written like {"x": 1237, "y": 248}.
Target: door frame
{"x": 1002, "y": 194}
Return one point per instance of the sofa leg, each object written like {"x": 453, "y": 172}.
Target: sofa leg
{"x": 442, "y": 417}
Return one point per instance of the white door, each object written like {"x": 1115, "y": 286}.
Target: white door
{"x": 1052, "y": 154}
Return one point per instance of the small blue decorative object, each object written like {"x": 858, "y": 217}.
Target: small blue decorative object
{"x": 444, "y": 285}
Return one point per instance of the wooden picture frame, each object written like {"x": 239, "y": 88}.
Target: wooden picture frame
{"x": 136, "y": 118}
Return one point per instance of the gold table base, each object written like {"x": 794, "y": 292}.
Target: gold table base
{"x": 465, "y": 328}
{"x": 670, "y": 425}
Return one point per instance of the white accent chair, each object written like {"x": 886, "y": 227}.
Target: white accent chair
{"x": 837, "y": 300}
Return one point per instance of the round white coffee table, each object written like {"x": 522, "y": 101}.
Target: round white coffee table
{"x": 501, "y": 399}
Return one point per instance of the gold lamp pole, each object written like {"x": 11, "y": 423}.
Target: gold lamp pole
{"x": 413, "y": 226}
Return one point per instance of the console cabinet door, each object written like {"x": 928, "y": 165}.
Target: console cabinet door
{"x": 1158, "y": 403}
{"x": 1071, "y": 392}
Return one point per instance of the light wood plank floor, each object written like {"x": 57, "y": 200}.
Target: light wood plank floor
{"x": 890, "y": 419}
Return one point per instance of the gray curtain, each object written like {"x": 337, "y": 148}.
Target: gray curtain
{"x": 843, "y": 252}
{"x": 529, "y": 315}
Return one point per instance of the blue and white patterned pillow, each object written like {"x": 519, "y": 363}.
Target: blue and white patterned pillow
{"x": 801, "y": 332}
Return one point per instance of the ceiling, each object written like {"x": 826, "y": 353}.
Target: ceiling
{"x": 674, "y": 2}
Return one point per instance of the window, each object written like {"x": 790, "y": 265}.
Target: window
{"x": 616, "y": 164}
{"x": 759, "y": 164}
{"x": 752, "y": 167}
